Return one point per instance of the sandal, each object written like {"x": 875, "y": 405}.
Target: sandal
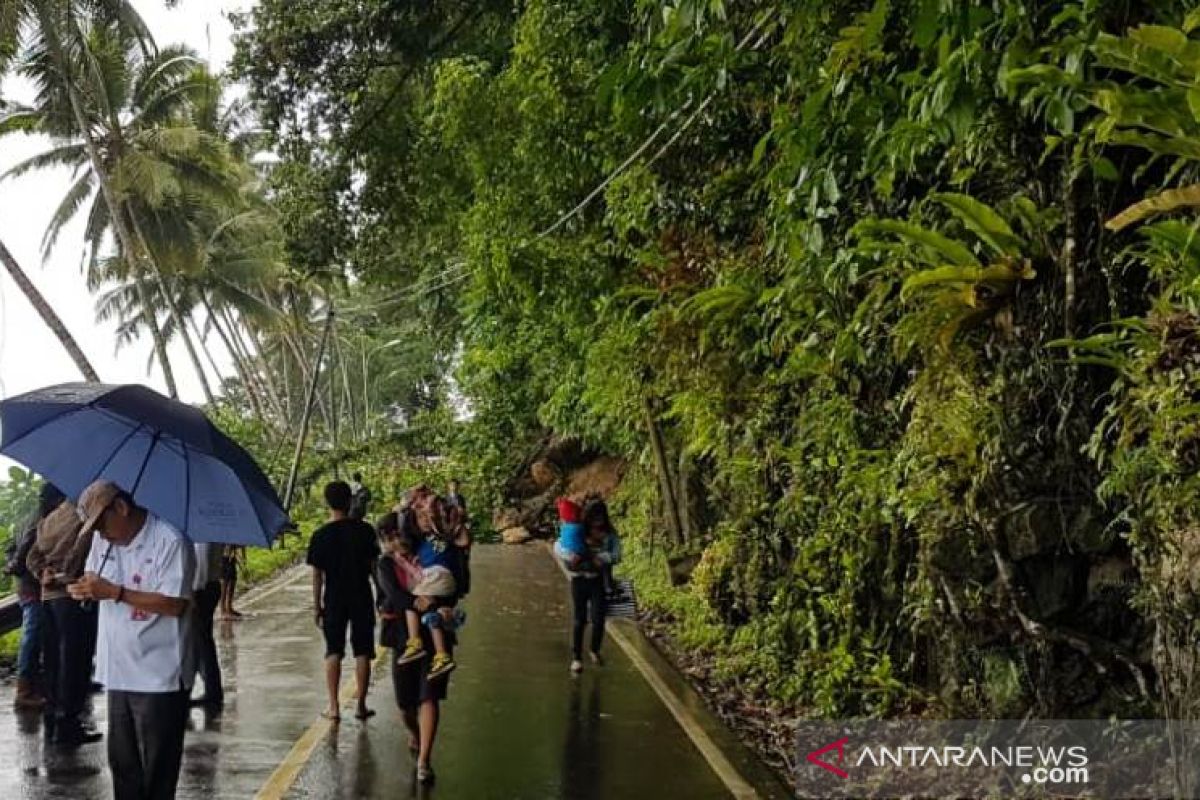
{"x": 364, "y": 714}
{"x": 331, "y": 717}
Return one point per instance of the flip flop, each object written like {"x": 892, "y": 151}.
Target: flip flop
{"x": 331, "y": 717}
{"x": 364, "y": 715}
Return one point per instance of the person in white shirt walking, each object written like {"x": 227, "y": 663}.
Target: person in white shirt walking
{"x": 141, "y": 571}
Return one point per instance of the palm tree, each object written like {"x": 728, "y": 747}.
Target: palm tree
{"x": 14, "y": 17}
{"x": 61, "y": 62}
{"x": 155, "y": 171}
{"x": 48, "y": 315}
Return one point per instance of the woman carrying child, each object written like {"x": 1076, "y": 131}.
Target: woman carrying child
{"x": 589, "y": 560}
{"x": 419, "y": 691}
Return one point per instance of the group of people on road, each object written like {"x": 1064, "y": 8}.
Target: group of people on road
{"x": 410, "y": 570}
{"x": 111, "y": 593}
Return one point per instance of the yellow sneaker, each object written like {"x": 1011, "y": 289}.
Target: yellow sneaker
{"x": 442, "y": 665}
{"x": 413, "y": 651}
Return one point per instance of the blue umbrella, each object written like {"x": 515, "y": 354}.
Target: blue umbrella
{"x": 166, "y": 454}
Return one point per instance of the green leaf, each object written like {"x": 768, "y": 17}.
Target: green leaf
{"x": 1161, "y": 203}
{"x": 1193, "y": 98}
{"x": 1160, "y": 37}
{"x": 937, "y": 245}
{"x": 983, "y": 221}
{"x": 1104, "y": 170}
{"x": 1191, "y": 21}
{"x": 760, "y": 149}
{"x": 1182, "y": 146}
{"x": 940, "y": 276}
{"x": 925, "y": 28}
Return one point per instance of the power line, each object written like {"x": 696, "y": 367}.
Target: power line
{"x": 645, "y": 145}
{"x": 424, "y": 281}
{"x": 460, "y": 271}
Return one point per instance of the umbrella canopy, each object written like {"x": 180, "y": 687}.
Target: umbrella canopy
{"x": 165, "y": 453}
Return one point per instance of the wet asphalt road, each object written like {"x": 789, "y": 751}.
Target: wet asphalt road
{"x": 516, "y": 725}
{"x": 271, "y": 663}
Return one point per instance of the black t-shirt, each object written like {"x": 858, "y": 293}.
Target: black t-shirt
{"x": 346, "y": 552}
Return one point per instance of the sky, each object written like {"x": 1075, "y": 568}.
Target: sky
{"x": 30, "y": 356}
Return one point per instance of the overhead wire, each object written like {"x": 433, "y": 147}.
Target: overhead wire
{"x": 646, "y": 144}
{"x": 460, "y": 271}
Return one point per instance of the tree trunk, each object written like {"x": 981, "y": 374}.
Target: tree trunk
{"x": 347, "y": 394}
{"x": 307, "y": 416}
{"x": 297, "y": 348}
{"x": 267, "y": 377}
{"x": 173, "y": 309}
{"x": 663, "y": 468}
{"x": 251, "y": 393}
{"x": 160, "y": 344}
{"x": 202, "y": 341}
{"x": 684, "y": 496}
{"x": 238, "y": 364}
{"x": 240, "y": 352}
{"x": 124, "y": 239}
{"x": 335, "y": 431}
{"x": 48, "y": 315}
{"x": 366, "y": 395}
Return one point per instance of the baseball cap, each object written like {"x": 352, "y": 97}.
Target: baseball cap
{"x": 94, "y": 501}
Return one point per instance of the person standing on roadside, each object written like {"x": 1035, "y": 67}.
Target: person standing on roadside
{"x": 454, "y": 497}
{"x": 58, "y": 556}
{"x": 140, "y": 569}
{"x": 232, "y": 557}
{"x": 30, "y": 652}
{"x": 342, "y": 554}
{"x": 207, "y": 589}
{"x": 360, "y": 497}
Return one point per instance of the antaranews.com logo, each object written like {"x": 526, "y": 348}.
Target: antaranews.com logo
{"x": 998, "y": 758}
{"x": 1040, "y": 765}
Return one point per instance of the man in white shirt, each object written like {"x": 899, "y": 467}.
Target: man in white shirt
{"x": 141, "y": 570}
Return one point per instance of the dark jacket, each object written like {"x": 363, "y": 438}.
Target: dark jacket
{"x": 393, "y": 601}
{"x": 28, "y": 586}
{"x": 61, "y": 547}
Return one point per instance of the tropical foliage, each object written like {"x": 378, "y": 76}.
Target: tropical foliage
{"x": 835, "y": 279}
{"x": 891, "y": 306}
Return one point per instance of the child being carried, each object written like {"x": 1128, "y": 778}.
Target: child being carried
{"x": 572, "y": 544}
{"x": 423, "y": 570}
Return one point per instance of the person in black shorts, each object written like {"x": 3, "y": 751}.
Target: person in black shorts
{"x": 418, "y": 696}
{"x": 342, "y": 554}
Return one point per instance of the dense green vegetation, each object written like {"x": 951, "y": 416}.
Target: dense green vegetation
{"x": 844, "y": 297}
{"x": 890, "y": 306}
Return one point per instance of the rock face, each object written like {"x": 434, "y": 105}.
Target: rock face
{"x": 515, "y": 535}
{"x": 561, "y": 466}
{"x": 545, "y": 474}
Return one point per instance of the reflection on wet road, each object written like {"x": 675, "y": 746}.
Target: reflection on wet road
{"x": 516, "y": 725}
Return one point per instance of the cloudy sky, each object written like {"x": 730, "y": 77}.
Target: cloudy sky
{"x": 30, "y": 356}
